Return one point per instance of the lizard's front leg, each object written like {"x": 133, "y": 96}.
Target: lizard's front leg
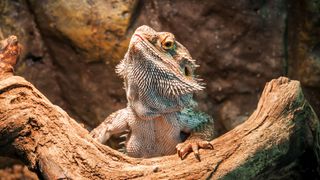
{"x": 201, "y": 127}
{"x": 115, "y": 123}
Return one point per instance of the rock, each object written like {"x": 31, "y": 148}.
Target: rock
{"x": 310, "y": 70}
{"x": 35, "y": 65}
{"x": 239, "y": 46}
{"x": 35, "y": 62}
{"x": 97, "y": 30}
{"x": 80, "y": 37}
{"x": 71, "y": 48}
{"x": 303, "y": 50}
{"x": 87, "y": 39}
{"x": 231, "y": 115}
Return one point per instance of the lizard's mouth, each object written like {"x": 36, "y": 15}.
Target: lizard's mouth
{"x": 138, "y": 36}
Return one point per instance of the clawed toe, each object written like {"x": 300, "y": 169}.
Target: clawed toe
{"x": 206, "y": 145}
{"x": 183, "y": 149}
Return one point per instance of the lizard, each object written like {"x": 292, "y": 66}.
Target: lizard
{"x": 159, "y": 82}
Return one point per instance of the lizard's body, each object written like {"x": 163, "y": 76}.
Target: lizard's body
{"x": 159, "y": 83}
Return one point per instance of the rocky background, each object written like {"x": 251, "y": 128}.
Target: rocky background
{"x": 71, "y": 48}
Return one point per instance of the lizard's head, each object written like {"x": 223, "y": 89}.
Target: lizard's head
{"x": 157, "y": 59}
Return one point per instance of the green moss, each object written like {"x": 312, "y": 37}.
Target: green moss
{"x": 257, "y": 164}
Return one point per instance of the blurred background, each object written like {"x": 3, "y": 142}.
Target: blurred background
{"x": 71, "y": 48}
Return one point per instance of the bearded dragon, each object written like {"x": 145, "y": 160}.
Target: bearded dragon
{"x": 159, "y": 81}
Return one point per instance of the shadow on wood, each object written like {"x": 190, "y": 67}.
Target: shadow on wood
{"x": 281, "y": 130}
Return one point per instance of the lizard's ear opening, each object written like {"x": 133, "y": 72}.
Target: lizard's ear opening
{"x": 187, "y": 71}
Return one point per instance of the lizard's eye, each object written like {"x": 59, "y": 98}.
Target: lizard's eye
{"x": 168, "y": 43}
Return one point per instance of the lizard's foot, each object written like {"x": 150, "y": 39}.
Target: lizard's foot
{"x": 99, "y": 136}
{"x": 190, "y": 145}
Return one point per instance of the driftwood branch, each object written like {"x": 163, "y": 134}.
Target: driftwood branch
{"x": 55, "y": 146}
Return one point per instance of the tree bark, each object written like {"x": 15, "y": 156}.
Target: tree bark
{"x": 43, "y": 136}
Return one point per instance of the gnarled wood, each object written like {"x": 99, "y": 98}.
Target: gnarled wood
{"x": 51, "y": 143}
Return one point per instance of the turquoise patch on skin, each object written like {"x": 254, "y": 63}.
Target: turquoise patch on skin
{"x": 191, "y": 118}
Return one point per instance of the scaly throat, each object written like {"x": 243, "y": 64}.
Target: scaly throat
{"x": 151, "y": 76}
